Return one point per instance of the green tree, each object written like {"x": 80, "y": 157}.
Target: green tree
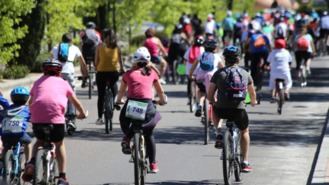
{"x": 11, "y": 26}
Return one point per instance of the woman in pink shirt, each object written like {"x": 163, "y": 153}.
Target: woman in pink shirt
{"x": 139, "y": 83}
{"x": 48, "y": 102}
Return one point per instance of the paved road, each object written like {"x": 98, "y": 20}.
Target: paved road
{"x": 282, "y": 147}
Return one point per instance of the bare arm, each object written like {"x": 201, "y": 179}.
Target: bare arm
{"x": 83, "y": 66}
{"x": 162, "y": 49}
{"x": 194, "y": 65}
{"x": 77, "y": 104}
{"x": 121, "y": 93}
{"x": 97, "y": 56}
{"x": 211, "y": 93}
{"x": 121, "y": 62}
{"x": 160, "y": 92}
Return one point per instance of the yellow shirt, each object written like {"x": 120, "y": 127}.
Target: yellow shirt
{"x": 108, "y": 59}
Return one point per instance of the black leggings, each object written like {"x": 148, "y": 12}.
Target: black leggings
{"x": 101, "y": 79}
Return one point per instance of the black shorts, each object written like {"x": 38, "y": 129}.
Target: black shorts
{"x": 155, "y": 59}
{"x": 301, "y": 58}
{"x": 239, "y": 116}
{"x": 53, "y": 132}
{"x": 201, "y": 87}
{"x": 9, "y": 141}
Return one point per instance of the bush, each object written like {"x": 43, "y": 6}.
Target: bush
{"x": 36, "y": 67}
{"x": 15, "y": 72}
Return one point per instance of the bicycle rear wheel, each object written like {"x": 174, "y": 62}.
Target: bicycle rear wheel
{"x": 8, "y": 167}
{"x": 138, "y": 173}
{"x": 237, "y": 160}
{"x": 281, "y": 100}
{"x": 108, "y": 113}
{"x": 206, "y": 122}
{"x": 39, "y": 170}
{"x": 227, "y": 160}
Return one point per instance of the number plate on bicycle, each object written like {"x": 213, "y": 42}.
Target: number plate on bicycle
{"x": 136, "y": 110}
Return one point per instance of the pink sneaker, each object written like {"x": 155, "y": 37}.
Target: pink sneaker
{"x": 154, "y": 168}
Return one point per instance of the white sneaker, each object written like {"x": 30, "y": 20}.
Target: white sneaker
{"x": 99, "y": 121}
{"x": 162, "y": 81}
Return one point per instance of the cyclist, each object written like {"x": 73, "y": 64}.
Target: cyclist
{"x": 324, "y": 28}
{"x": 280, "y": 60}
{"x": 210, "y": 26}
{"x": 228, "y": 26}
{"x": 190, "y": 56}
{"x": 259, "y": 48}
{"x": 67, "y": 53}
{"x": 90, "y": 39}
{"x": 227, "y": 107}
{"x": 18, "y": 111}
{"x": 109, "y": 65}
{"x": 49, "y": 96}
{"x": 154, "y": 45}
{"x": 304, "y": 50}
{"x": 206, "y": 65}
{"x": 139, "y": 82}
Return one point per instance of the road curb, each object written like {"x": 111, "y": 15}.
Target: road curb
{"x": 319, "y": 174}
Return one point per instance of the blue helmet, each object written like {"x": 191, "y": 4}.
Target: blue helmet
{"x": 19, "y": 95}
{"x": 231, "y": 54}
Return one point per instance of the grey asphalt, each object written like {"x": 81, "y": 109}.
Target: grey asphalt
{"x": 287, "y": 149}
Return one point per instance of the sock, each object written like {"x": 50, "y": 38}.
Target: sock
{"x": 62, "y": 175}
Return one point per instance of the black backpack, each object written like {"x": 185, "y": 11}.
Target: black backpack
{"x": 88, "y": 47}
{"x": 235, "y": 86}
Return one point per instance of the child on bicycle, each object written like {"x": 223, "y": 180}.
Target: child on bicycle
{"x": 139, "y": 83}
{"x": 18, "y": 113}
{"x": 279, "y": 62}
{"x": 206, "y": 65}
{"x": 48, "y": 102}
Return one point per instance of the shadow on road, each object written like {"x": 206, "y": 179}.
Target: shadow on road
{"x": 204, "y": 182}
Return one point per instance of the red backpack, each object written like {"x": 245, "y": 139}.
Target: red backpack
{"x": 302, "y": 43}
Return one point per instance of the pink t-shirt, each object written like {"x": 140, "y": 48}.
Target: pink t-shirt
{"x": 151, "y": 46}
{"x": 49, "y": 100}
{"x": 140, "y": 86}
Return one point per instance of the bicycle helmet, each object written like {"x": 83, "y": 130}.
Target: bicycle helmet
{"x": 142, "y": 54}
{"x": 52, "y": 68}
{"x": 91, "y": 25}
{"x": 210, "y": 45}
{"x": 231, "y": 54}
{"x": 19, "y": 95}
{"x": 199, "y": 40}
{"x": 280, "y": 43}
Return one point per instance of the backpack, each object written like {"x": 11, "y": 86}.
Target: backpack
{"x": 88, "y": 47}
{"x": 235, "y": 88}
{"x": 63, "y": 52}
{"x": 13, "y": 122}
{"x": 258, "y": 40}
{"x": 302, "y": 43}
{"x": 279, "y": 33}
{"x": 207, "y": 61}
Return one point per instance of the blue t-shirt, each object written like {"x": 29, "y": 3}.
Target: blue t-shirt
{"x": 228, "y": 23}
{"x": 261, "y": 49}
{"x": 21, "y": 114}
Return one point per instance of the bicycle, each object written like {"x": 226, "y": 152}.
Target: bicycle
{"x": 279, "y": 91}
{"x": 46, "y": 169}
{"x": 191, "y": 93}
{"x": 91, "y": 74}
{"x": 231, "y": 154}
{"x": 12, "y": 162}
{"x": 205, "y": 120}
{"x": 109, "y": 108}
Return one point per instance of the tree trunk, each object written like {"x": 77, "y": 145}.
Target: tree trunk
{"x": 230, "y": 5}
{"x": 31, "y": 43}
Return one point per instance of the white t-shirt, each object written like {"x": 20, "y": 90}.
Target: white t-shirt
{"x": 210, "y": 27}
{"x": 74, "y": 52}
{"x": 279, "y": 60}
{"x": 284, "y": 28}
{"x": 200, "y": 73}
{"x": 186, "y": 57}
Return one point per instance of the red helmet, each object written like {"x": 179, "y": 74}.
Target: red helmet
{"x": 52, "y": 68}
{"x": 280, "y": 43}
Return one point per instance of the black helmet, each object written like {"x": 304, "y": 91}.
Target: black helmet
{"x": 199, "y": 40}
{"x": 52, "y": 68}
{"x": 19, "y": 95}
{"x": 91, "y": 25}
{"x": 231, "y": 54}
{"x": 210, "y": 45}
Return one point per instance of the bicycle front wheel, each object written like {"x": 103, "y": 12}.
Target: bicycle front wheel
{"x": 227, "y": 160}
{"x": 206, "y": 122}
{"x": 8, "y": 167}
{"x": 139, "y": 178}
{"x": 39, "y": 168}
{"x": 108, "y": 113}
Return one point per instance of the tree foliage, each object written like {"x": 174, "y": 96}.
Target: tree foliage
{"x": 11, "y": 27}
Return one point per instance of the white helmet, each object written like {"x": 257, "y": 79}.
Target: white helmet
{"x": 142, "y": 54}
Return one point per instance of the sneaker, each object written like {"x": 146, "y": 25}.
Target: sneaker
{"x": 62, "y": 181}
{"x": 125, "y": 145}
{"x": 273, "y": 100}
{"x": 99, "y": 121}
{"x": 83, "y": 84}
{"x": 286, "y": 96}
{"x": 72, "y": 125}
{"x": 198, "y": 111}
{"x": 28, "y": 172}
{"x": 154, "y": 168}
{"x": 219, "y": 141}
{"x": 162, "y": 81}
{"x": 246, "y": 167}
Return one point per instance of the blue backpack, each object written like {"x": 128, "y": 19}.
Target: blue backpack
{"x": 63, "y": 52}
{"x": 235, "y": 86}
{"x": 207, "y": 61}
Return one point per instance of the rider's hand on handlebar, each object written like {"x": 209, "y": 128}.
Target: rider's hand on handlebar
{"x": 119, "y": 102}
{"x": 82, "y": 115}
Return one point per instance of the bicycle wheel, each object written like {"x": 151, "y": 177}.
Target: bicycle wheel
{"x": 206, "y": 122}
{"x": 39, "y": 170}
{"x": 53, "y": 171}
{"x": 281, "y": 100}
{"x": 237, "y": 159}
{"x": 142, "y": 163}
{"x": 137, "y": 159}
{"x": 8, "y": 167}
{"x": 108, "y": 113}
{"x": 227, "y": 159}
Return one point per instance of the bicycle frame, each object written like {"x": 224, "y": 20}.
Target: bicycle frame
{"x": 231, "y": 153}
{"x": 12, "y": 157}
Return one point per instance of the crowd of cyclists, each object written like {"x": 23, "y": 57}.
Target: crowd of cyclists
{"x": 211, "y": 53}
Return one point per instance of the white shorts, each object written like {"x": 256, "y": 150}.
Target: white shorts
{"x": 286, "y": 77}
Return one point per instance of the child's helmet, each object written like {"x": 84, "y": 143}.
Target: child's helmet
{"x": 19, "y": 95}
{"x": 142, "y": 55}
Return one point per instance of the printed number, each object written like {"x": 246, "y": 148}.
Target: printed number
{"x": 14, "y": 123}
{"x": 138, "y": 110}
